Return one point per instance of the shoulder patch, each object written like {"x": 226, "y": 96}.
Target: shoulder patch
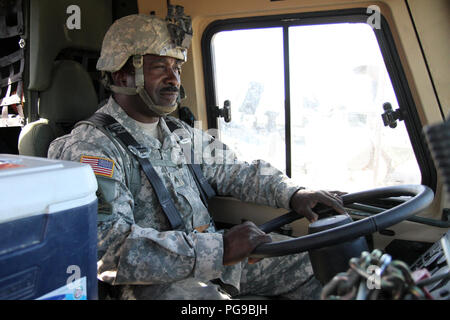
{"x": 102, "y": 166}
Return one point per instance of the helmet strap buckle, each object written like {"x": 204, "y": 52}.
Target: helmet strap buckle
{"x": 138, "y": 63}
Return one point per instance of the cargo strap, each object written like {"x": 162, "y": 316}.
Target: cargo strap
{"x": 167, "y": 205}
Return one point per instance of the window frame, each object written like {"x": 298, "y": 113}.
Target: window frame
{"x": 389, "y": 52}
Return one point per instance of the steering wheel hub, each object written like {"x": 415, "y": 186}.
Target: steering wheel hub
{"x": 328, "y": 261}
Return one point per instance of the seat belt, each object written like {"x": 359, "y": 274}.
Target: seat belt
{"x": 167, "y": 205}
{"x": 206, "y": 191}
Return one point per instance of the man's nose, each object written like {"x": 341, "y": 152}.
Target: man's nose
{"x": 172, "y": 77}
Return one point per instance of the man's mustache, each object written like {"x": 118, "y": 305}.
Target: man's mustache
{"x": 170, "y": 89}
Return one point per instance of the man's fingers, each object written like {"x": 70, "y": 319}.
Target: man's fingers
{"x": 332, "y": 201}
{"x": 337, "y": 192}
{"x": 334, "y": 196}
{"x": 256, "y": 235}
{"x": 240, "y": 241}
{"x": 261, "y": 239}
{"x": 310, "y": 215}
{"x": 303, "y": 201}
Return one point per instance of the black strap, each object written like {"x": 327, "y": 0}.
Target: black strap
{"x": 160, "y": 189}
{"x": 206, "y": 191}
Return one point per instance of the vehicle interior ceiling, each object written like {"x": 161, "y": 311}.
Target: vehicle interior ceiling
{"x": 422, "y": 50}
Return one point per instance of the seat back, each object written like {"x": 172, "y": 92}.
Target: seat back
{"x": 71, "y": 97}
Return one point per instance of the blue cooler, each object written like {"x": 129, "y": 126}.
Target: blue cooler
{"x": 48, "y": 229}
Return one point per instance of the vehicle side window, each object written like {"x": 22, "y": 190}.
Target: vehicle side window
{"x": 326, "y": 130}
{"x": 249, "y": 73}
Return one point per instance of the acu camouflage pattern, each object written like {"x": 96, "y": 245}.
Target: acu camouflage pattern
{"x": 139, "y": 253}
{"x": 137, "y": 34}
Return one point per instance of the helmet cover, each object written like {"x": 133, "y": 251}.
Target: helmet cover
{"x": 139, "y": 34}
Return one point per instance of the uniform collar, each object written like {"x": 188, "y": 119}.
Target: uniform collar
{"x": 169, "y": 139}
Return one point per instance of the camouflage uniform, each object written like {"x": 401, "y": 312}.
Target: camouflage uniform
{"x": 138, "y": 252}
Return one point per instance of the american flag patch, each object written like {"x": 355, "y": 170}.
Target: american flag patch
{"x": 101, "y": 166}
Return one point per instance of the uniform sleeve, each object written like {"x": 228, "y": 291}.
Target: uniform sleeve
{"x": 257, "y": 182}
{"x": 129, "y": 253}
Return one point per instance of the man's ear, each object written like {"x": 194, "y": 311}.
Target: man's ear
{"x": 119, "y": 78}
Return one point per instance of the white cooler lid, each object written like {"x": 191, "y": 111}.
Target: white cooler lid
{"x": 32, "y": 185}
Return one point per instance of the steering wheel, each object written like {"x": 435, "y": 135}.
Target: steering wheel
{"x": 421, "y": 195}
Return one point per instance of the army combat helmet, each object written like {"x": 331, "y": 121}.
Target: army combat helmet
{"x": 137, "y": 35}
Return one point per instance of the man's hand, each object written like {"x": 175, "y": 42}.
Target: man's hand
{"x": 303, "y": 201}
{"x": 240, "y": 241}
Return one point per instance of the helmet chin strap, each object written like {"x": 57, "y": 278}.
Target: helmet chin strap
{"x": 138, "y": 62}
{"x": 159, "y": 110}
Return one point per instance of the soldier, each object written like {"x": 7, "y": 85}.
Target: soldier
{"x": 139, "y": 252}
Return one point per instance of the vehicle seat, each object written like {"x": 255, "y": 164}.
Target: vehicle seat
{"x": 71, "y": 97}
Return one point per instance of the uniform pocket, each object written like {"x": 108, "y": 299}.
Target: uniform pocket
{"x": 106, "y": 193}
{"x": 196, "y": 213}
